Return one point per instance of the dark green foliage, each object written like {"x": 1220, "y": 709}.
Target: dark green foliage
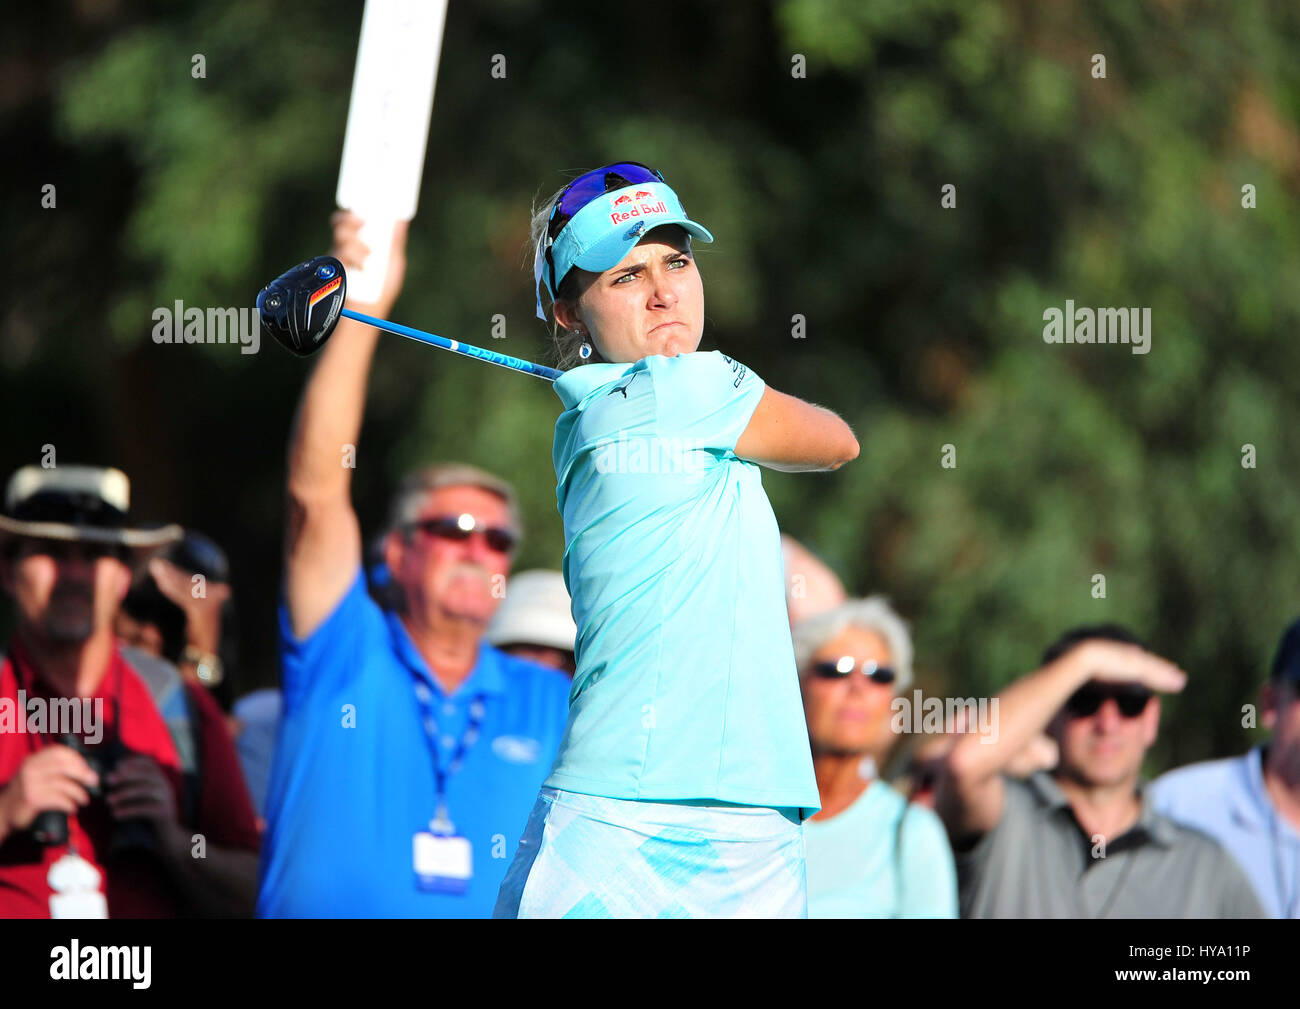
{"x": 924, "y": 325}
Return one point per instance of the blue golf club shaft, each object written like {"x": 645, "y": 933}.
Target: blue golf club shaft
{"x": 456, "y": 347}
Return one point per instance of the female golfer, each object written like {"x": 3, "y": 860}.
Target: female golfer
{"x": 684, "y": 773}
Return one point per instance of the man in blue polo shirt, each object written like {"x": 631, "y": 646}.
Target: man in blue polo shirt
{"x": 410, "y": 750}
{"x": 1251, "y": 804}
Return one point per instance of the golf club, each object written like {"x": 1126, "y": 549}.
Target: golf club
{"x": 301, "y": 307}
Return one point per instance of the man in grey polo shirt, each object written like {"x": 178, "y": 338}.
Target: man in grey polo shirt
{"x": 1082, "y": 841}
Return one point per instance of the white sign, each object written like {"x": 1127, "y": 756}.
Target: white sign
{"x": 388, "y": 125}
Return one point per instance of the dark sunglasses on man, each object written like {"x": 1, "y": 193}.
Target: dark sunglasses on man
{"x": 838, "y": 669}
{"x": 63, "y": 551}
{"x": 461, "y": 527}
{"x": 1131, "y": 699}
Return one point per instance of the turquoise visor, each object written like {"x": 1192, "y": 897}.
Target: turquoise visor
{"x": 599, "y": 235}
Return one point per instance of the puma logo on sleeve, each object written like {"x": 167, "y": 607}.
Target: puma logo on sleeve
{"x": 737, "y": 369}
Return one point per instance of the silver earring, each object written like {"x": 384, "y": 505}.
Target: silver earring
{"x": 584, "y": 351}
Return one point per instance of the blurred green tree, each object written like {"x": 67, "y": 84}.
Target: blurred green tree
{"x": 923, "y": 324}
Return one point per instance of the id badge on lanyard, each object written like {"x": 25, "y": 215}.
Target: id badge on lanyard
{"x": 444, "y": 860}
{"x": 444, "y": 863}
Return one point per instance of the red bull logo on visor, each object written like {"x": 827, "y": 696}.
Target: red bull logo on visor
{"x": 626, "y": 207}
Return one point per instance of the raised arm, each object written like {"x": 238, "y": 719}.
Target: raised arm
{"x": 322, "y": 537}
{"x": 787, "y": 434}
{"x": 971, "y": 792}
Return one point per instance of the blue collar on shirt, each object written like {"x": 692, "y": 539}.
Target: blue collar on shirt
{"x": 1251, "y": 804}
{"x": 578, "y": 383}
{"x": 485, "y": 678}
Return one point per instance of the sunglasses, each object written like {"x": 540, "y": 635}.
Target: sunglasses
{"x": 461, "y": 527}
{"x": 585, "y": 188}
{"x": 1088, "y": 699}
{"x": 840, "y": 668}
{"x": 65, "y": 550}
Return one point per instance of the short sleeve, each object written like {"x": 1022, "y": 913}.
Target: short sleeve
{"x": 929, "y": 884}
{"x": 1017, "y": 809}
{"x": 705, "y": 398}
{"x": 332, "y": 652}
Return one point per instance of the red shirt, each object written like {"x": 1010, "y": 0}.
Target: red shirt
{"x": 137, "y": 883}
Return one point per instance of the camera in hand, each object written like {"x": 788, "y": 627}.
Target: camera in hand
{"x": 51, "y": 826}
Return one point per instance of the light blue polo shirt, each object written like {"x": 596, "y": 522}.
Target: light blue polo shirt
{"x": 352, "y": 780}
{"x": 1227, "y": 800}
{"x": 880, "y": 858}
{"x": 686, "y": 685}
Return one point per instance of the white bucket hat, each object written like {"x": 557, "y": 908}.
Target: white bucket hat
{"x": 88, "y": 504}
{"x": 535, "y": 611}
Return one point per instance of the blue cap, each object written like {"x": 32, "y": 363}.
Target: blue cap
{"x": 607, "y": 229}
{"x": 1286, "y": 663}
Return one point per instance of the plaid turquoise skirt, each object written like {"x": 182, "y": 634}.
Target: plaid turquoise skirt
{"x": 584, "y": 856}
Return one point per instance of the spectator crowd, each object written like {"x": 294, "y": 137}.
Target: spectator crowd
{"x": 424, "y": 692}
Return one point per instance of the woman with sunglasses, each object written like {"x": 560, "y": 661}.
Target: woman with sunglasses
{"x": 869, "y": 854}
{"x": 684, "y": 774}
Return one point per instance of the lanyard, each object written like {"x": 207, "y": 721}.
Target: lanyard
{"x": 477, "y": 709}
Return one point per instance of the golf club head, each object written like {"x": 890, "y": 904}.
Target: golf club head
{"x": 300, "y": 308}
